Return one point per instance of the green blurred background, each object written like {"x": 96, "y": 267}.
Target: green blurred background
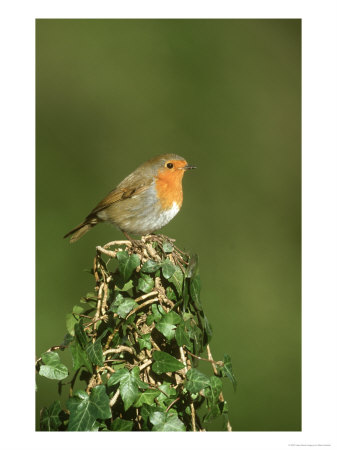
{"x": 226, "y": 95}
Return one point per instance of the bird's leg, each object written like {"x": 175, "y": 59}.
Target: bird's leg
{"x": 135, "y": 243}
{"x": 127, "y": 236}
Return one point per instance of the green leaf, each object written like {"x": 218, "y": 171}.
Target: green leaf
{"x": 156, "y": 313}
{"x": 167, "y": 393}
{"x": 186, "y": 295}
{"x": 168, "y": 268}
{"x": 129, "y": 390}
{"x": 144, "y": 341}
{"x": 145, "y": 412}
{"x": 150, "y": 319}
{"x": 196, "y": 381}
{"x": 167, "y": 329}
{"x": 167, "y": 247}
{"x": 121, "y": 286}
{"x": 146, "y": 397}
{"x": 213, "y": 413}
{"x": 229, "y": 370}
{"x": 182, "y": 337}
{"x": 164, "y": 362}
{"x": 71, "y": 319}
{"x": 122, "y": 425}
{"x": 125, "y": 307}
{"x": 195, "y": 291}
{"x": 127, "y": 264}
{"x": 163, "y": 421}
{"x": 80, "y": 357}
{"x": 212, "y": 391}
{"x": 80, "y": 333}
{"x": 68, "y": 338}
{"x": 50, "y": 417}
{"x": 167, "y": 324}
{"x": 145, "y": 283}
{"x": 117, "y": 376}
{"x": 170, "y": 294}
{"x": 177, "y": 279}
{"x": 196, "y": 335}
{"x": 52, "y": 367}
{"x": 85, "y": 409}
{"x": 135, "y": 374}
{"x": 193, "y": 266}
{"x": 128, "y": 385}
{"x": 208, "y": 329}
{"x": 95, "y": 352}
{"x": 119, "y": 298}
{"x": 150, "y": 266}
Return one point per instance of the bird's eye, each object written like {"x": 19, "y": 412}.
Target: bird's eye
{"x": 169, "y": 165}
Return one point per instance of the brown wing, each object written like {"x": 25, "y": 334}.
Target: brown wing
{"x": 117, "y": 195}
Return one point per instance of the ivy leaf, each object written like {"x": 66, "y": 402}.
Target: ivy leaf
{"x": 135, "y": 374}
{"x": 128, "y": 385}
{"x": 80, "y": 333}
{"x": 145, "y": 341}
{"x": 150, "y": 319}
{"x": 50, "y": 417}
{"x": 208, "y": 329}
{"x": 213, "y": 413}
{"x": 95, "y": 352}
{"x": 196, "y": 381}
{"x": 80, "y": 357}
{"x": 146, "y": 397}
{"x": 127, "y": 264}
{"x": 85, "y": 409}
{"x": 121, "y": 425}
{"x": 145, "y": 412}
{"x": 212, "y": 391}
{"x": 177, "y": 279}
{"x": 125, "y": 307}
{"x": 129, "y": 390}
{"x": 195, "y": 291}
{"x": 167, "y": 393}
{"x": 164, "y": 362}
{"x": 52, "y": 367}
{"x": 193, "y": 266}
{"x": 145, "y": 283}
{"x": 228, "y": 369}
{"x": 150, "y": 266}
{"x": 156, "y": 314}
{"x": 117, "y": 376}
{"x": 163, "y": 421}
{"x": 167, "y": 324}
{"x": 71, "y": 318}
{"x": 119, "y": 298}
{"x": 167, "y": 329}
{"x": 168, "y": 268}
{"x": 121, "y": 285}
{"x": 68, "y": 338}
{"x": 182, "y": 337}
{"x": 170, "y": 293}
{"x": 186, "y": 295}
{"x": 196, "y": 335}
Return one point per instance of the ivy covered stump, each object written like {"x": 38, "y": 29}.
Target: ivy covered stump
{"x": 136, "y": 341}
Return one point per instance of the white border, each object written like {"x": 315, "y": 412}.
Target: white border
{"x": 319, "y": 216}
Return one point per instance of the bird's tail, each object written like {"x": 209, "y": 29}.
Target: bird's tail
{"x": 81, "y": 229}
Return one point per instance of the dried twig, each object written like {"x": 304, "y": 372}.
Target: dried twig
{"x": 113, "y": 399}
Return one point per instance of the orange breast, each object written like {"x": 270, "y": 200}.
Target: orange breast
{"x": 169, "y": 187}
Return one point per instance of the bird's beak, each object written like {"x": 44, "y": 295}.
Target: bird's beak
{"x": 188, "y": 167}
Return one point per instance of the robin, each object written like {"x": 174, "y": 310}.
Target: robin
{"x": 144, "y": 201}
